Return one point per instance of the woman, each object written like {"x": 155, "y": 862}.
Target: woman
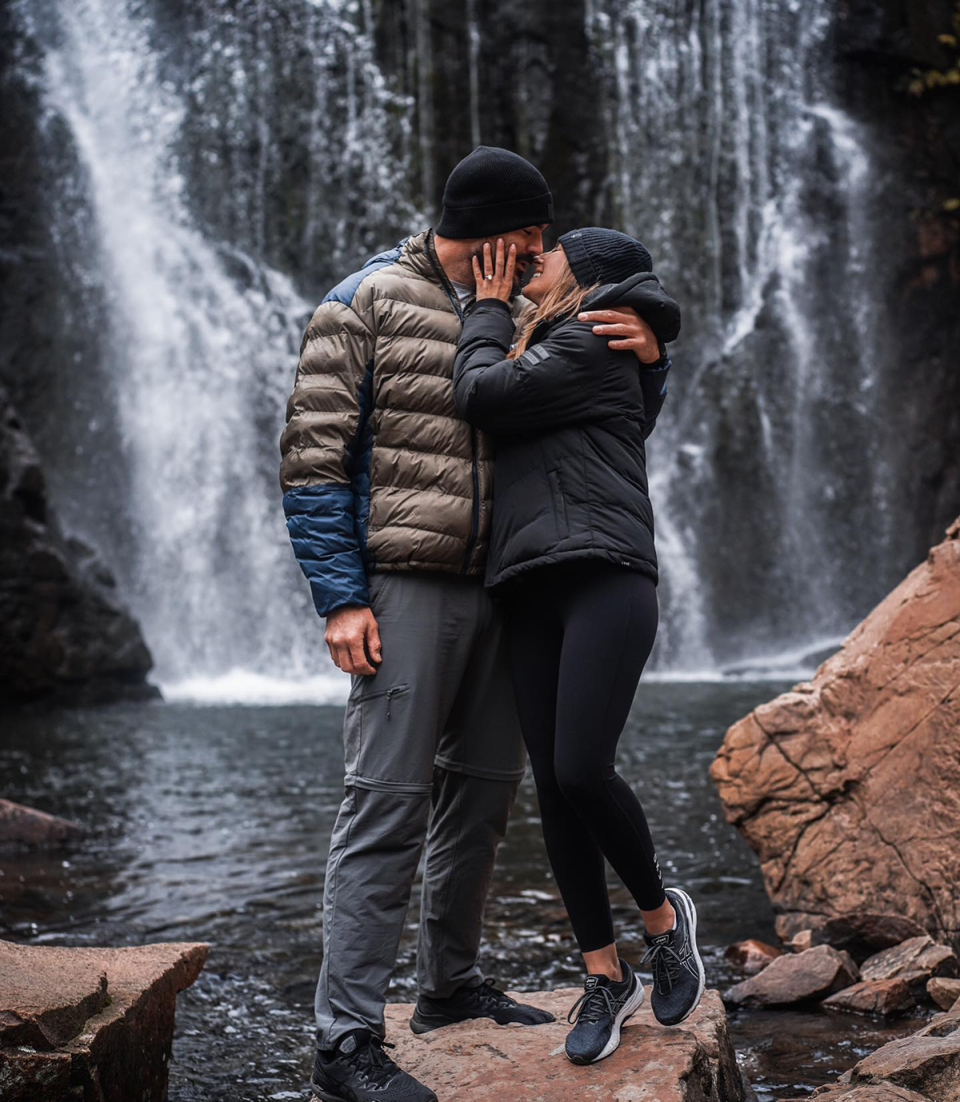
{"x": 572, "y": 554}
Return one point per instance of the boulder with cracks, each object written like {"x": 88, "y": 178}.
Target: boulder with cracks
{"x": 848, "y": 786}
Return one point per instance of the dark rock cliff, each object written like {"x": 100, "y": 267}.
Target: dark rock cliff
{"x": 63, "y": 636}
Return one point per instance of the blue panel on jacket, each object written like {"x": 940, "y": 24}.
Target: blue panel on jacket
{"x": 320, "y": 520}
{"x": 347, "y": 288}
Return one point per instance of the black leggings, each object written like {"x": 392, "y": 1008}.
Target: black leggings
{"x": 580, "y": 634}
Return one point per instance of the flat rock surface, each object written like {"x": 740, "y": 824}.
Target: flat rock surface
{"x": 796, "y": 977}
{"x": 481, "y": 1061}
{"x": 848, "y": 786}
{"x": 46, "y": 994}
{"x": 90, "y": 1023}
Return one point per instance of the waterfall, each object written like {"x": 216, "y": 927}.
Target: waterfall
{"x": 239, "y": 157}
{"x": 752, "y": 187}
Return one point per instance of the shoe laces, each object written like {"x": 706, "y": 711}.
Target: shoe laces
{"x": 374, "y": 1066}
{"x": 488, "y": 992}
{"x": 665, "y": 963}
{"x": 593, "y": 1005}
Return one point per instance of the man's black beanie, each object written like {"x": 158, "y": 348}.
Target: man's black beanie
{"x": 493, "y": 191}
{"x": 604, "y": 256}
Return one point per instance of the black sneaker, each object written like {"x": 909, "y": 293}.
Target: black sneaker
{"x": 598, "y": 1014}
{"x": 678, "y": 978}
{"x": 479, "y": 1000}
{"x": 358, "y": 1070}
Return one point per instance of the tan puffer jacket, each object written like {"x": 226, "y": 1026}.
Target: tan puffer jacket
{"x": 379, "y": 471}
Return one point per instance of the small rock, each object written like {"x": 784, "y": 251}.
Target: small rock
{"x": 863, "y": 934}
{"x": 917, "y": 954}
{"x": 796, "y": 977}
{"x": 27, "y": 826}
{"x": 800, "y": 941}
{"x": 944, "y": 992}
{"x": 751, "y": 956}
{"x": 881, "y": 998}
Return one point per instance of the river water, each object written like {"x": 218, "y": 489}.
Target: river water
{"x": 210, "y": 823}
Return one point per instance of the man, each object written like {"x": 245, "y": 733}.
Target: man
{"x": 388, "y": 495}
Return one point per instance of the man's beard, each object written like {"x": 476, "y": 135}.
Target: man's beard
{"x": 518, "y": 276}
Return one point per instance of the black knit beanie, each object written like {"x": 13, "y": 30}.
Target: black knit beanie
{"x": 493, "y": 191}
{"x": 596, "y": 255}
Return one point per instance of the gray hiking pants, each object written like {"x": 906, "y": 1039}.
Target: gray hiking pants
{"x": 433, "y": 754}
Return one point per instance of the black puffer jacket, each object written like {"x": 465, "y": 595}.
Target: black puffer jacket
{"x": 570, "y": 417}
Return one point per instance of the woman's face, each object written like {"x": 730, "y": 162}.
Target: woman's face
{"x": 548, "y": 269}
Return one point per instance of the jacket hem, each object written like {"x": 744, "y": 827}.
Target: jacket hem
{"x": 498, "y": 584}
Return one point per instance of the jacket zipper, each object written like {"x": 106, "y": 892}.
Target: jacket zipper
{"x": 475, "y": 521}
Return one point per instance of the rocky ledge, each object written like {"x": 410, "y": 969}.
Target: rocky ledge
{"x": 848, "y": 786}
{"x": 92, "y": 1025}
{"x": 479, "y": 1061}
{"x": 63, "y": 636}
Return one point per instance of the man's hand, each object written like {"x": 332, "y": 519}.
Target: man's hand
{"x": 631, "y": 331}
{"x": 351, "y": 635}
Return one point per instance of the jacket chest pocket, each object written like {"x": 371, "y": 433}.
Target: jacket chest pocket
{"x": 559, "y": 504}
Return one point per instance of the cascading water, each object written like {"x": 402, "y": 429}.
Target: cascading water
{"x": 752, "y": 189}
{"x": 727, "y": 151}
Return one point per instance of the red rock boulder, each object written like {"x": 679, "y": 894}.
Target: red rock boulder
{"x": 848, "y": 786}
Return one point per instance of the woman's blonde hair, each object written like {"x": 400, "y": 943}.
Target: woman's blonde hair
{"x": 563, "y": 300}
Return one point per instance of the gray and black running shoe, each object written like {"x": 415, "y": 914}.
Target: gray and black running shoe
{"x": 598, "y": 1014}
{"x": 678, "y": 977}
{"x": 358, "y": 1070}
{"x": 478, "y": 1000}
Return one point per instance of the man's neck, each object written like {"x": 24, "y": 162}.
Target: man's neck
{"x": 454, "y": 260}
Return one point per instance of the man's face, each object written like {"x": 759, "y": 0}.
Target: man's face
{"x": 529, "y": 242}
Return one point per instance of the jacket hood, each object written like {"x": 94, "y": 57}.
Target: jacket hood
{"x": 644, "y": 293}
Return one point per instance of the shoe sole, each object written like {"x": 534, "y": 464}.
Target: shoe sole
{"x": 327, "y": 1095}
{"x": 690, "y": 912}
{"x": 629, "y": 1008}
{"x": 420, "y": 1023}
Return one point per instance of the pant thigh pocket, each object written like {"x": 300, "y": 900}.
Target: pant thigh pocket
{"x": 375, "y": 728}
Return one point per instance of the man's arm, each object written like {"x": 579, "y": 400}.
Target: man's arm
{"x": 326, "y": 420}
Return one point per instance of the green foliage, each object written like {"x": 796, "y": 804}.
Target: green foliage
{"x": 923, "y": 81}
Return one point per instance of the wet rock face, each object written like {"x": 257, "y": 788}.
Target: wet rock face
{"x": 479, "y": 1061}
{"x": 845, "y": 785}
{"x": 94, "y": 1025}
{"x": 63, "y": 635}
